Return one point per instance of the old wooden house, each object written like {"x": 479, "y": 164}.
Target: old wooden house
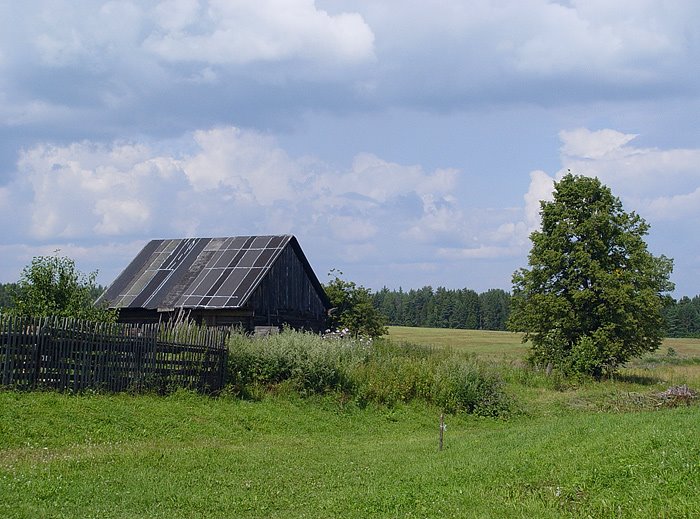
{"x": 252, "y": 281}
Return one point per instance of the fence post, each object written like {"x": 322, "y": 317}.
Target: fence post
{"x": 442, "y": 428}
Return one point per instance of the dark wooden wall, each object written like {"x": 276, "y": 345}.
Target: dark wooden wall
{"x": 287, "y": 295}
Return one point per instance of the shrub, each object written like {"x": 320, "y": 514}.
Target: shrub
{"x": 466, "y": 385}
{"x": 381, "y": 372}
{"x": 305, "y": 360}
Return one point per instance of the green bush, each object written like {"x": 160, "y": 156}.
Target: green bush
{"x": 304, "y": 360}
{"x": 466, "y": 385}
{"x": 381, "y": 372}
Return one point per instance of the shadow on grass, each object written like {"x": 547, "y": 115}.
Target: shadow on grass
{"x": 633, "y": 378}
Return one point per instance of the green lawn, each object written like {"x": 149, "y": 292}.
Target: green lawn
{"x": 190, "y": 456}
{"x": 570, "y": 450}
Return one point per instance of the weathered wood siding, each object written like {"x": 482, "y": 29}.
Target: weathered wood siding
{"x": 72, "y": 355}
{"x": 287, "y": 295}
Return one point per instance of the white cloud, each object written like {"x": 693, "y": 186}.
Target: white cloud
{"x": 248, "y": 165}
{"x": 541, "y": 188}
{"x": 120, "y": 216}
{"x": 442, "y": 219}
{"x": 87, "y": 188}
{"x": 177, "y": 15}
{"x": 380, "y": 180}
{"x": 241, "y": 32}
{"x": 351, "y": 229}
{"x": 481, "y": 252}
{"x": 658, "y": 183}
{"x": 234, "y": 181}
{"x": 677, "y": 206}
{"x": 591, "y": 36}
{"x": 587, "y": 144}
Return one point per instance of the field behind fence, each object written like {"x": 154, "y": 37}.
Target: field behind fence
{"x": 72, "y": 355}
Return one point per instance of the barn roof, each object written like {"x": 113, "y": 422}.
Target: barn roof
{"x": 201, "y": 272}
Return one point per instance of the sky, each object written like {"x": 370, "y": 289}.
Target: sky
{"x": 404, "y": 143}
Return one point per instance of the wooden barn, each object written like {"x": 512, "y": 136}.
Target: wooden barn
{"x": 252, "y": 281}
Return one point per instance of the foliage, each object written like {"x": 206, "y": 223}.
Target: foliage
{"x": 683, "y": 317}
{"x": 380, "y": 372}
{"x": 593, "y": 296}
{"x": 353, "y": 308}
{"x": 6, "y": 290}
{"x": 445, "y": 308}
{"x": 53, "y": 286}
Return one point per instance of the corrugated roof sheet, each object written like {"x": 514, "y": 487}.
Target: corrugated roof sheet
{"x": 196, "y": 272}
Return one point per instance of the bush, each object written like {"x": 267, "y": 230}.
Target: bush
{"x": 306, "y": 361}
{"x": 469, "y": 386}
{"x": 381, "y": 372}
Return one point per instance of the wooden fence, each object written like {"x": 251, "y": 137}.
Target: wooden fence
{"x": 72, "y": 355}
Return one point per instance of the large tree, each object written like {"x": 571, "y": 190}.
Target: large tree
{"x": 53, "y": 286}
{"x": 593, "y": 295}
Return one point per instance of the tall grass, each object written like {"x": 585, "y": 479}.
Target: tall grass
{"x": 381, "y": 372}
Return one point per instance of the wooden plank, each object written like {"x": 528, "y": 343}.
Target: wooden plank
{"x": 68, "y": 354}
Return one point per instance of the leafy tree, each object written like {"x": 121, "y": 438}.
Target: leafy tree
{"x": 593, "y": 295}
{"x": 353, "y": 308}
{"x": 53, "y": 286}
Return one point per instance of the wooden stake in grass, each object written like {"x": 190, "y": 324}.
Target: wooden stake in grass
{"x": 442, "y": 428}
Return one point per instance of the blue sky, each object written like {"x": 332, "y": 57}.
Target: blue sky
{"x": 405, "y": 143}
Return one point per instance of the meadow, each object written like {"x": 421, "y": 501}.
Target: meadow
{"x": 565, "y": 449}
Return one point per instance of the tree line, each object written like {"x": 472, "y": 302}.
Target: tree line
{"x": 444, "y": 308}
{"x": 424, "y": 307}
{"x": 466, "y": 309}
{"x": 683, "y": 317}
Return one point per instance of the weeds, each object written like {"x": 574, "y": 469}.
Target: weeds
{"x": 378, "y": 372}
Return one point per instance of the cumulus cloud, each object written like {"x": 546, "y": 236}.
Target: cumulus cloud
{"x": 541, "y": 188}
{"x": 517, "y": 50}
{"x": 480, "y": 252}
{"x": 658, "y": 183}
{"x": 134, "y": 63}
{"x": 587, "y": 144}
{"x": 241, "y": 32}
{"x": 233, "y": 181}
{"x": 237, "y": 181}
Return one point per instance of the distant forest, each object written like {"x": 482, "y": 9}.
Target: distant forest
{"x": 443, "y": 308}
{"x": 464, "y": 308}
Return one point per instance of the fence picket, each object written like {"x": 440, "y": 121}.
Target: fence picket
{"x": 69, "y": 354}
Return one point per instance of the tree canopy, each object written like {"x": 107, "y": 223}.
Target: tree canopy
{"x": 353, "y": 308}
{"x": 593, "y": 295}
{"x": 53, "y": 286}
{"x": 444, "y": 308}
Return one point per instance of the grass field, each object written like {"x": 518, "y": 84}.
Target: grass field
{"x": 676, "y": 362}
{"x": 573, "y": 450}
{"x": 484, "y": 343}
{"x": 497, "y": 344}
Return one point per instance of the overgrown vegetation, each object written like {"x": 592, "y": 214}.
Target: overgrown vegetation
{"x": 376, "y": 372}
